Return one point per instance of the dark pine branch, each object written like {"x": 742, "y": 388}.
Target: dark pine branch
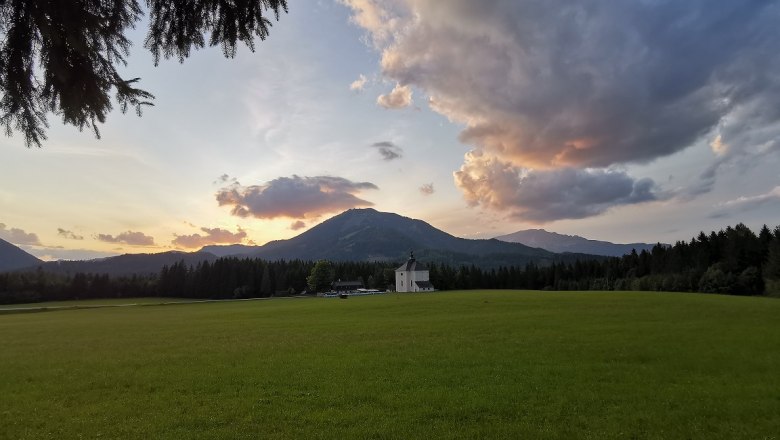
{"x": 61, "y": 56}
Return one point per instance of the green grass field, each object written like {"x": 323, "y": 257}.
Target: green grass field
{"x": 92, "y": 303}
{"x": 488, "y": 364}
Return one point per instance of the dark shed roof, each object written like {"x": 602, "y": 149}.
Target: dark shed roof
{"x": 346, "y": 285}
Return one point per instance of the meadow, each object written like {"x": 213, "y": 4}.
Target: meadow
{"x": 87, "y": 303}
{"x": 476, "y": 364}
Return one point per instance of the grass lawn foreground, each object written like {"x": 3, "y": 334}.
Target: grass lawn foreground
{"x": 477, "y": 364}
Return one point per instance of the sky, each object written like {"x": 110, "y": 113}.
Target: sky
{"x": 623, "y": 121}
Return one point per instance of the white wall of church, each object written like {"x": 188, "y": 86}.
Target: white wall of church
{"x": 404, "y": 280}
{"x": 401, "y": 281}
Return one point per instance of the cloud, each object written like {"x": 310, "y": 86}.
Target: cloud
{"x": 427, "y": 189}
{"x": 745, "y": 203}
{"x": 399, "y": 97}
{"x": 718, "y": 146}
{"x": 130, "y": 238}
{"x": 388, "y": 150}
{"x": 370, "y": 14}
{"x": 540, "y": 196}
{"x": 18, "y": 236}
{"x": 358, "y": 84}
{"x": 754, "y": 148}
{"x": 69, "y": 234}
{"x": 225, "y": 178}
{"x": 212, "y": 236}
{"x": 296, "y": 225}
{"x": 294, "y": 197}
{"x": 571, "y": 85}
{"x": 562, "y": 83}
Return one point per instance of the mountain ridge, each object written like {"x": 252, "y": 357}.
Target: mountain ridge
{"x": 555, "y": 242}
{"x": 13, "y": 257}
{"x": 125, "y": 264}
{"x": 354, "y": 235}
{"x": 370, "y": 235}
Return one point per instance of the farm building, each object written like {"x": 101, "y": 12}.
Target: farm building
{"x": 346, "y": 286}
{"x": 412, "y": 276}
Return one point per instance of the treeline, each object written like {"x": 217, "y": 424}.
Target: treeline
{"x": 732, "y": 261}
{"x": 254, "y": 278}
{"x": 30, "y": 287}
{"x": 225, "y": 278}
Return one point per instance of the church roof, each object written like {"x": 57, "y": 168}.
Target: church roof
{"x": 424, "y": 284}
{"x": 412, "y": 265}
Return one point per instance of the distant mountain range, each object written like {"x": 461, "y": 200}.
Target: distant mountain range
{"x": 354, "y": 235}
{"x": 555, "y": 242}
{"x": 11, "y": 257}
{"x": 228, "y": 250}
{"x": 370, "y": 235}
{"x": 127, "y": 264}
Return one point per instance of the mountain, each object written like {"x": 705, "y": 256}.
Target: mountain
{"x": 11, "y": 257}
{"x": 370, "y": 235}
{"x": 354, "y": 235}
{"x": 228, "y": 250}
{"x": 555, "y": 242}
{"x": 128, "y": 264}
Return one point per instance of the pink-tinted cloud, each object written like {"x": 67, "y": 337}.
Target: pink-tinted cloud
{"x": 210, "y": 236}
{"x": 297, "y": 225}
{"x": 358, "y": 84}
{"x": 374, "y": 15}
{"x": 587, "y": 86}
{"x": 399, "y": 97}
{"x": 130, "y": 238}
{"x": 540, "y": 196}
{"x": 18, "y": 236}
{"x": 558, "y": 83}
{"x": 294, "y": 197}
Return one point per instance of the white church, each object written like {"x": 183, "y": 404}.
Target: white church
{"x": 412, "y": 277}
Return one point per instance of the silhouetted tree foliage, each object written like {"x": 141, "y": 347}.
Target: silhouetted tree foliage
{"x": 321, "y": 277}
{"x": 61, "y": 56}
{"x": 731, "y": 261}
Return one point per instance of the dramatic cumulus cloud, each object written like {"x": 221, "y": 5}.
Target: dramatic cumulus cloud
{"x": 427, "y": 189}
{"x": 744, "y": 203}
{"x": 18, "y": 236}
{"x": 294, "y": 197}
{"x": 130, "y": 238}
{"x": 399, "y": 97}
{"x": 537, "y": 196}
{"x": 358, "y": 84}
{"x": 388, "y": 150}
{"x": 297, "y": 225}
{"x": 210, "y": 236}
{"x": 589, "y": 85}
{"x": 69, "y": 234}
